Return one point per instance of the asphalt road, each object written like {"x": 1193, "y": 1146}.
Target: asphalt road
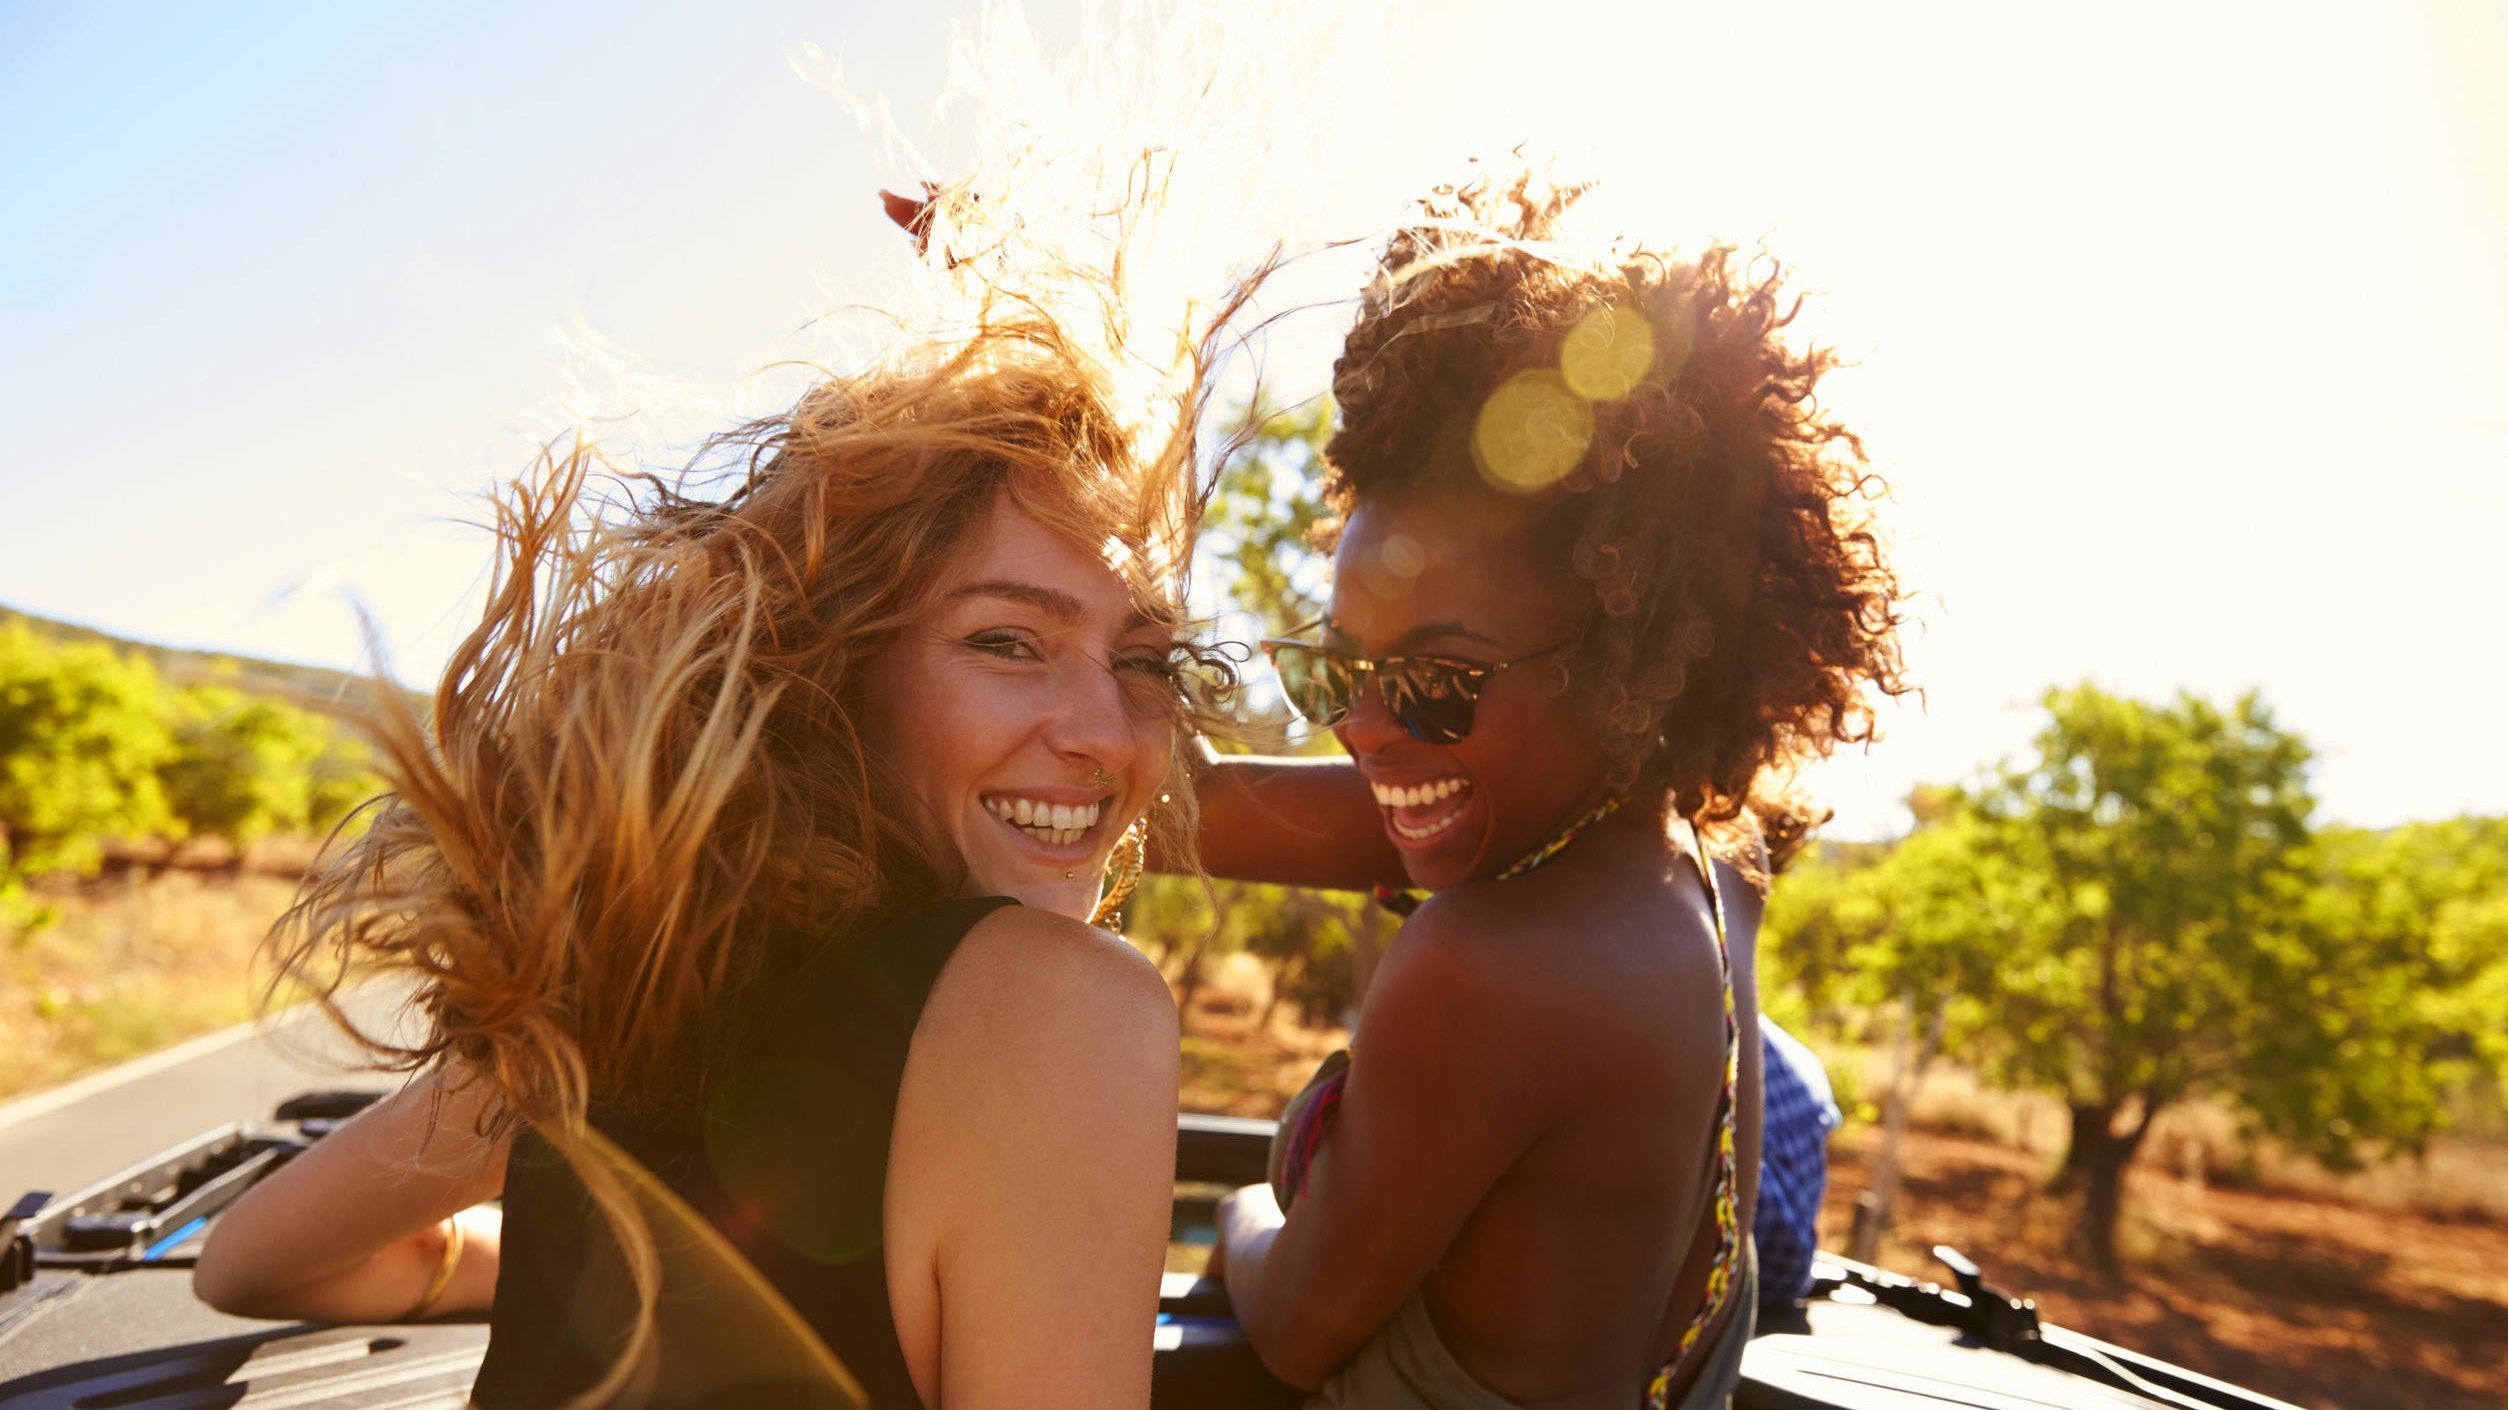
{"x": 83, "y": 1131}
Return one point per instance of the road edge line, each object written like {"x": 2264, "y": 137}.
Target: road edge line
{"x": 79, "y": 1089}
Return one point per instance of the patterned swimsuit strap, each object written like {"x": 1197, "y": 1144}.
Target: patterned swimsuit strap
{"x": 1720, "y": 1274}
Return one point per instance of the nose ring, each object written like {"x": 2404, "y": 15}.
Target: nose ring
{"x": 1098, "y": 777}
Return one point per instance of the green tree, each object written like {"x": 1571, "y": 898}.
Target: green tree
{"x": 343, "y": 778}
{"x": 1913, "y": 931}
{"x": 1260, "y": 524}
{"x": 2139, "y": 911}
{"x": 82, "y": 735}
{"x": 243, "y": 766}
{"x": 2411, "y": 925}
{"x": 1311, "y": 941}
{"x": 2153, "y": 864}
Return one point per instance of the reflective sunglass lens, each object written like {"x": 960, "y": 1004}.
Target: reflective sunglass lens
{"x": 1317, "y": 685}
{"x": 1432, "y": 702}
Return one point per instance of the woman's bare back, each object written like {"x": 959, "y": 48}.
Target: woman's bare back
{"x": 1614, "y": 959}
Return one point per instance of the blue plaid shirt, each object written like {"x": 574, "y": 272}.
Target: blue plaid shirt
{"x": 1797, "y": 1115}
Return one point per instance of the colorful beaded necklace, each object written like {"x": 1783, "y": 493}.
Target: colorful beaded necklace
{"x": 1402, "y": 902}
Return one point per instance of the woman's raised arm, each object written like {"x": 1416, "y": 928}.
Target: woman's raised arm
{"x": 373, "y": 1223}
{"x": 1295, "y": 822}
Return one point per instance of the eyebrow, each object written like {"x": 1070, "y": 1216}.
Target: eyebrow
{"x": 1425, "y": 631}
{"x": 1062, "y": 606}
{"x": 1059, "y": 605}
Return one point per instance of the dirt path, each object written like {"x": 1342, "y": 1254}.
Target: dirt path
{"x": 2322, "y": 1304}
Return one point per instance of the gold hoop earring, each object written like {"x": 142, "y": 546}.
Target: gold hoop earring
{"x": 1123, "y": 873}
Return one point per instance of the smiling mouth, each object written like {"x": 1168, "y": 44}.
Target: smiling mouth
{"x": 1422, "y": 812}
{"x": 1054, "y": 824}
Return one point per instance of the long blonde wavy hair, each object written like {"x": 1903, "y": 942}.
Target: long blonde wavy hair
{"x": 646, "y": 759}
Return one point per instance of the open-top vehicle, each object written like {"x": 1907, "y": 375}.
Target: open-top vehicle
{"x": 96, "y": 1311}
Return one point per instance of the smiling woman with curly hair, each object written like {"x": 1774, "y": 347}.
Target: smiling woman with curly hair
{"x": 1605, "y": 577}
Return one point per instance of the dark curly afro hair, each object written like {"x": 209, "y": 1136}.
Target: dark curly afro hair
{"x": 1668, "y": 443}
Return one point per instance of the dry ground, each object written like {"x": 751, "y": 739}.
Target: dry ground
{"x": 2321, "y": 1301}
{"x": 133, "y": 964}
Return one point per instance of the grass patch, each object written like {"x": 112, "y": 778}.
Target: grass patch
{"x": 133, "y": 965}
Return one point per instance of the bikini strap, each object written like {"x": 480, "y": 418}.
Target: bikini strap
{"x": 1720, "y": 1274}
{"x": 1706, "y": 865}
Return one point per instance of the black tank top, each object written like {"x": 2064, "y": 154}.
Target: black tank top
{"x": 784, "y": 1152}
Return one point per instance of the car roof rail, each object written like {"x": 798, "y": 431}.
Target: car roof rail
{"x": 17, "y": 1247}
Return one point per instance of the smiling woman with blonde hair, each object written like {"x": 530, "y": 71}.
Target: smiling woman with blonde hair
{"x": 745, "y": 873}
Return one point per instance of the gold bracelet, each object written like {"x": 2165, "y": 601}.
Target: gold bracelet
{"x": 443, "y": 1271}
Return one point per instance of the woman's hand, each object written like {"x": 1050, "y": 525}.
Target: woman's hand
{"x": 358, "y": 1227}
{"x": 1245, "y": 1215}
{"x": 1247, "y": 1212}
{"x": 466, "y": 1262}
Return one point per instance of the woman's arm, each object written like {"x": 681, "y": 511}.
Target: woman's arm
{"x": 1445, "y": 1098}
{"x": 1032, "y": 1171}
{"x": 1296, "y": 822}
{"x": 358, "y": 1227}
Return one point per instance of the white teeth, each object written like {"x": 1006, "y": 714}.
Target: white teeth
{"x": 1058, "y": 823}
{"x": 1421, "y": 796}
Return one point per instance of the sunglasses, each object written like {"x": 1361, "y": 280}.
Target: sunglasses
{"x": 1431, "y": 697}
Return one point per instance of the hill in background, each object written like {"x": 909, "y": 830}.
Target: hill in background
{"x": 189, "y": 665}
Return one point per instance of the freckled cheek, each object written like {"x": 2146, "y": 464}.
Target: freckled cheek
{"x": 1154, "y": 745}
{"x": 992, "y": 709}
{"x": 952, "y": 737}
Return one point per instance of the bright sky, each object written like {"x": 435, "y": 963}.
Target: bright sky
{"x": 2181, "y": 331}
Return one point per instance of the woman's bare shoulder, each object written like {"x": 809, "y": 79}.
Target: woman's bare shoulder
{"x": 1046, "y": 1044}
{"x": 1028, "y": 977}
{"x": 1556, "y": 959}
{"x": 1471, "y": 959}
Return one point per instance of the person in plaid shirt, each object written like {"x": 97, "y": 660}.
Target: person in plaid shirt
{"x": 1798, "y": 1113}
